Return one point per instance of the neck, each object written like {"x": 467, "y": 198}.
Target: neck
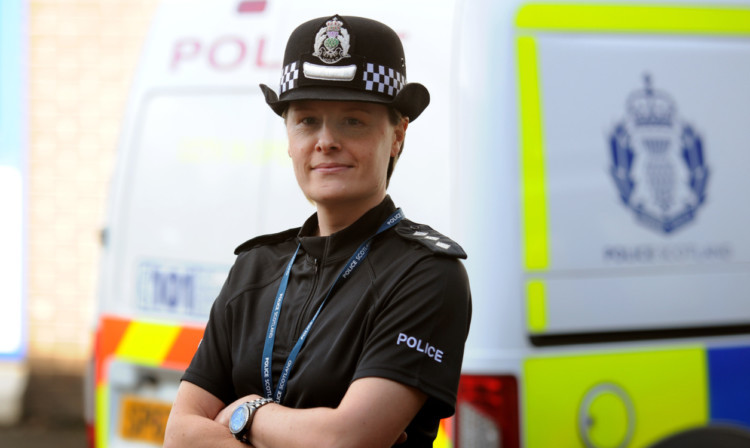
{"x": 333, "y": 218}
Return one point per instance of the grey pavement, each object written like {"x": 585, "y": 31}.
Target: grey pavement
{"x": 52, "y": 414}
{"x": 42, "y": 435}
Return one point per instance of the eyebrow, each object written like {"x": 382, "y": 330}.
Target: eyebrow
{"x": 358, "y": 109}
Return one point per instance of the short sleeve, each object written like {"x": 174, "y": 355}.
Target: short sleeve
{"x": 212, "y": 363}
{"x": 417, "y": 335}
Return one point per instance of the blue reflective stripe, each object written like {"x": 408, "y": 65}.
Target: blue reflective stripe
{"x": 354, "y": 261}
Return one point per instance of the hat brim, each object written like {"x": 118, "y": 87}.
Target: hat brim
{"x": 411, "y": 100}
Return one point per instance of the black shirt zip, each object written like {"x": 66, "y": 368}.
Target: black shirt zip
{"x": 304, "y": 319}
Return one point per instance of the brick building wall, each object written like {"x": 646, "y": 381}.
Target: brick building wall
{"x": 82, "y": 56}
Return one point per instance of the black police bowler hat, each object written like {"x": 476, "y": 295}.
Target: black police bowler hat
{"x": 344, "y": 58}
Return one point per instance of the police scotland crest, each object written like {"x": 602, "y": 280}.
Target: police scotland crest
{"x": 658, "y": 163}
{"x": 332, "y": 42}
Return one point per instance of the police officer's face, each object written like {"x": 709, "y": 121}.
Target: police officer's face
{"x": 340, "y": 149}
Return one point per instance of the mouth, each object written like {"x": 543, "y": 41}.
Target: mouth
{"x": 330, "y": 168}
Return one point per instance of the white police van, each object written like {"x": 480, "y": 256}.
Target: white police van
{"x": 588, "y": 156}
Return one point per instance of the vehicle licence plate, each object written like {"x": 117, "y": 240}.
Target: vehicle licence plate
{"x": 143, "y": 420}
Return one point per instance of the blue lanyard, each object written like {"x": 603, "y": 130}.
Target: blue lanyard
{"x": 356, "y": 259}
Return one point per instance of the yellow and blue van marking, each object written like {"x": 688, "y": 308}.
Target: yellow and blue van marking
{"x": 633, "y": 398}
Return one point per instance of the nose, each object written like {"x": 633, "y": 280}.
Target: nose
{"x": 327, "y": 139}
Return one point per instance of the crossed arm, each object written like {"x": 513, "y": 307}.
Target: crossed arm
{"x": 373, "y": 413}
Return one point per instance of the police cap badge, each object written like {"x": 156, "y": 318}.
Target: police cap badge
{"x": 344, "y": 58}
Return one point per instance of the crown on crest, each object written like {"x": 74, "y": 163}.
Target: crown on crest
{"x": 334, "y": 25}
{"x": 648, "y": 107}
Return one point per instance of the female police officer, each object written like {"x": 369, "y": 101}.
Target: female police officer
{"x": 348, "y": 331}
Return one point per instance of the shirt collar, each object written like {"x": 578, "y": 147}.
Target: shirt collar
{"x": 344, "y": 242}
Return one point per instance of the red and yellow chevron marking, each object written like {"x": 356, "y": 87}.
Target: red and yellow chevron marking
{"x": 445, "y": 434}
{"x": 150, "y": 344}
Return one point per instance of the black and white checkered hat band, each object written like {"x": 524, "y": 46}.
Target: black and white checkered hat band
{"x": 289, "y": 77}
{"x": 382, "y": 79}
{"x": 376, "y": 78}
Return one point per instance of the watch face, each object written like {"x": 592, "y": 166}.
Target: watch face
{"x": 239, "y": 418}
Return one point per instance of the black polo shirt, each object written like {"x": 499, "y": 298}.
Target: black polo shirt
{"x": 402, "y": 315}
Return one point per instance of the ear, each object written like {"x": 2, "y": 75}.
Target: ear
{"x": 399, "y": 134}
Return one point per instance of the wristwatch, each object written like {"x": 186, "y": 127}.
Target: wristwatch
{"x": 242, "y": 418}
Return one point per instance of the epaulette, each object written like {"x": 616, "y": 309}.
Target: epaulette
{"x": 430, "y": 238}
{"x": 263, "y": 240}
